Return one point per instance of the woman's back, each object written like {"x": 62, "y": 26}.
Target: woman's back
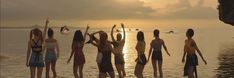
{"x": 156, "y": 44}
{"x": 190, "y": 46}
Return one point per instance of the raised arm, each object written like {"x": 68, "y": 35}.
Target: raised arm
{"x": 86, "y": 31}
{"x": 199, "y": 52}
{"x": 94, "y": 38}
{"x": 28, "y": 52}
{"x": 45, "y": 29}
{"x": 123, "y": 31}
{"x": 112, "y": 33}
{"x": 165, "y": 48}
{"x": 184, "y": 53}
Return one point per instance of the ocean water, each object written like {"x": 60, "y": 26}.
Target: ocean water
{"x": 216, "y": 45}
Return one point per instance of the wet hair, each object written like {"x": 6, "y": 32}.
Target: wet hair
{"x": 190, "y": 33}
{"x": 140, "y": 36}
{"x": 37, "y": 33}
{"x": 78, "y": 37}
{"x": 50, "y": 33}
{"x": 156, "y": 33}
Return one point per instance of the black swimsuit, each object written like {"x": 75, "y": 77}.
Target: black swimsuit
{"x": 106, "y": 65}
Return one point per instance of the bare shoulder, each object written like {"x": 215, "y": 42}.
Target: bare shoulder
{"x": 161, "y": 40}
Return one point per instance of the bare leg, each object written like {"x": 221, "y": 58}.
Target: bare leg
{"x": 102, "y": 75}
{"x": 32, "y": 70}
{"x": 47, "y": 69}
{"x": 136, "y": 72}
{"x": 123, "y": 70}
{"x": 75, "y": 67}
{"x": 160, "y": 68}
{"x": 112, "y": 74}
{"x": 190, "y": 72}
{"x": 81, "y": 70}
{"x": 53, "y": 64}
{"x": 154, "y": 67}
{"x": 119, "y": 69}
{"x": 141, "y": 68}
{"x": 39, "y": 72}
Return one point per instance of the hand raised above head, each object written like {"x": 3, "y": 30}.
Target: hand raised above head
{"x": 47, "y": 21}
{"x": 122, "y": 24}
{"x": 114, "y": 26}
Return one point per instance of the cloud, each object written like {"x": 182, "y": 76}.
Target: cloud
{"x": 73, "y": 9}
{"x": 183, "y": 9}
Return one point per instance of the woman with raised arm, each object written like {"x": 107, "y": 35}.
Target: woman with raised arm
{"x": 190, "y": 49}
{"x": 34, "y": 57}
{"x": 77, "y": 51}
{"x": 118, "y": 47}
{"x": 141, "y": 59}
{"x": 156, "y": 45}
{"x": 105, "y": 48}
{"x": 52, "y": 53}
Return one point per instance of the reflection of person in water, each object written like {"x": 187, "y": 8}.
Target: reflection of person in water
{"x": 191, "y": 60}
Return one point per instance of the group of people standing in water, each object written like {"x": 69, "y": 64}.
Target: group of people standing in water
{"x": 37, "y": 44}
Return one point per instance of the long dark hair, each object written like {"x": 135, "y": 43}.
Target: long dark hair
{"x": 78, "y": 37}
{"x": 103, "y": 40}
{"x": 50, "y": 33}
{"x": 140, "y": 36}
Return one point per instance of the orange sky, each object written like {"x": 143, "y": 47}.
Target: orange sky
{"x": 107, "y": 12}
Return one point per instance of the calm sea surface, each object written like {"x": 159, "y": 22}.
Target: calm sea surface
{"x": 216, "y": 45}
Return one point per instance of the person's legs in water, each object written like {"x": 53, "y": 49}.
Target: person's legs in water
{"x": 123, "y": 70}
{"x": 102, "y": 75}
{"x": 160, "y": 68}
{"x": 190, "y": 72}
{"x": 112, "y": 74}
{"x": 154, "y": 64}
{"x": 53, "y": 64}
{"x": 81, "y": 70}
{"x": 32, "y": 70}
{"x": 136, "y": 72}
{"x": 75, "y": 67}
{"x": 141, "y": 68}
{"x": 119, "y": 69}
{"x": 47, "y": 69}
{"x": 39, "y": 72}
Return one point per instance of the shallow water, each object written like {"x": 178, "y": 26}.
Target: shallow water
{"x": 216, "y": 45}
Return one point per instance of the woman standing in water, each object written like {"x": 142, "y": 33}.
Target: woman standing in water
{"x": 105, "y": 48}
{"x": 190, "y": 49}
{"x": 156, "y": 46}
{"x": 77, "y": 51}
{"x": 52, "y": 53}
{"x": 141, "y": 59}
{"x": 35, "y": 48}
{"x": 118, "y": 47}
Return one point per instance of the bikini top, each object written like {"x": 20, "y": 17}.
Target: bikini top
{"x": 36, "y": 47}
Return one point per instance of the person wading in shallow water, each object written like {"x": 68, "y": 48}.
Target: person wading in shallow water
{"x": 190, "y": 49}
{"x": 156, "y": 45}
{"x": 77, "y": 51}
{"x": 118, "y": 47}
{"x": 35, "y": 48}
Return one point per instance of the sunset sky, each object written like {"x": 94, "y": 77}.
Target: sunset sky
{"x": 107, "y": 12}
